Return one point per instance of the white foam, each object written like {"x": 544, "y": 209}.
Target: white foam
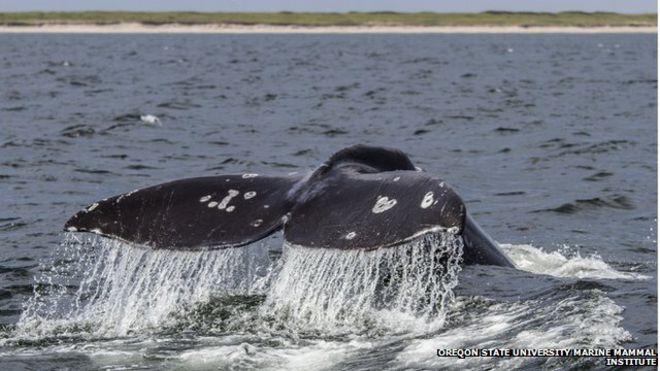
{"x": 308, "y": 355}
{"x": 223, "y": 356}
{"x": 564, "y": 263}
{"x": 319, "y": 355}
{"x": 593, "y": 321}
{"x": 150, "y": 119}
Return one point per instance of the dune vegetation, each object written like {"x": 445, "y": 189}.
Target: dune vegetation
{"x": 492, "y": 18}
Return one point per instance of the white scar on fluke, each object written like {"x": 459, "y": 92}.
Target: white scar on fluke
{"x": 383, "y": 204}
{"x": 350, "y": 235}
{"x": 249, "y": 175}
{"x": 225, "y": 201}
{"x": 427, "y": 201}
{"x": 249, "y": 195}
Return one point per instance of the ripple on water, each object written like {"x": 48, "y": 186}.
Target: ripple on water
{"x": 613, "y": 201}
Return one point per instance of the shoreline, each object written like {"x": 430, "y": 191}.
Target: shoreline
{"x": 127, "y": 28}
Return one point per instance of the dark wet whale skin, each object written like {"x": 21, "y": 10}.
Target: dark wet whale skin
{"x": 362, "y": 198}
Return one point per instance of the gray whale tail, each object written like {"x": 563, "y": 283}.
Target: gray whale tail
{"x": 361, "y": 198}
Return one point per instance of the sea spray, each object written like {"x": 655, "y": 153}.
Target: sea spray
{"x": 395, "y": 288}
{"x": 122, "y": 289}
{"x": 99, "y": 287}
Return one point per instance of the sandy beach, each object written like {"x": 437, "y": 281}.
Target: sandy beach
{"x": 239, "y": 29}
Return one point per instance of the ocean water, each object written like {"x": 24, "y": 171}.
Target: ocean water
{"x": 551, "y": 140}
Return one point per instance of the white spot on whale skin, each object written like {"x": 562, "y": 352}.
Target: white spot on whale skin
{"x": 205, "y": 198}
{"x": 212, "y": 204}
{"x": 266, "y": 206}
{"x": 383, "y": 204}
{"x": 92, "y": 207}
{"x": 96, "y": 230}
{"x": 230, "y": 209}
{"x": 350, "y": 235}
{"x": 72, "y": 229}
{"x": 396, "y": 179}
{"x": 249, "y": 175}
{"x": 427, "y": 201}
{"x": 225, "y": 201}
{"x": 249, "y": 195}
{"x": 256, "y": 223}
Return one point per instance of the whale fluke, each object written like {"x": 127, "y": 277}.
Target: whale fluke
{"x": 361, "y": 198}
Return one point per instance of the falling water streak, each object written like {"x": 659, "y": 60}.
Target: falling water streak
{"x": 335, "y": 291}
{"x": 124, "y": 289}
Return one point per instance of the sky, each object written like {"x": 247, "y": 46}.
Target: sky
{"x": 621, "y": 6}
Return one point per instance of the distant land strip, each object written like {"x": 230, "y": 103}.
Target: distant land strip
{"x": 350, "y": 19}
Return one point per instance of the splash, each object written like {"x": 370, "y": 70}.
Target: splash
{"x": 564, "y": 264}
{"x": 102, "y": 288}
{"x": 122, "y": 289}
{"x": 340, "y": 291}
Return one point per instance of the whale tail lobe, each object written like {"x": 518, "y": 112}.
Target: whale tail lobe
{"x": 192, "y": 214}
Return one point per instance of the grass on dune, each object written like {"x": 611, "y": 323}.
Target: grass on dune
{"x": 525, "y": 19}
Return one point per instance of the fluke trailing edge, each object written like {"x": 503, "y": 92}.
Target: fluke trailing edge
{"x": 361, "y": 198}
